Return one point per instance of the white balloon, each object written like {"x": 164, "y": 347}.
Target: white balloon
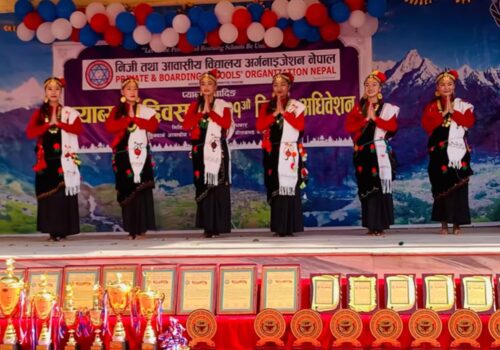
{"x": 181, "y": 23}
{"x": 24, "y": 33}
{"x": 228, "y": 33}
{"x": 273, "y": 37}
{"x": 310, "y": 2}
{"x": 114, "y": 10}
{"x": 369, "y": 27}
{"x": 347, "y": 30}
{"x": 141, "y": 35}
{"x": 296, "y": 9}
{"x": 224, "y": 11}
{"x": 255, "y": 32}
{"x": 61, "y": 28}
{"x": 44, "y": 33}
{"x": 280, "y": 8}
{"x": 357, "y": 18}
{"x": 169, "y": 37}
{"x": 156, "y": 44}
{"x": 78, "y": 19}
{"x": 93, "y": 8}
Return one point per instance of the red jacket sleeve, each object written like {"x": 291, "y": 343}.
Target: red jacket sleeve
{"x": 75, "y": 128}
{"x": 150, "y": 124}
{"x": 264, "y": 121}
{"x": 297, "y": 121}
{"x": 114, "y": 125}
{"x": 466, "y": 120}
{"x": 390, "y": 125}
{"x": 192, "y": 117}
{"x": 355, "y": 122}
{"x": 431, "y": 118}
{"x": 224, "y": 121}
{"x": 36, "y": 126}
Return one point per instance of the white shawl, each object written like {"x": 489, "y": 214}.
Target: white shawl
{"x": 456, "y": 143}
{"x": 69, "y": 158}
{"x": 384, "y": 163}
{"x": 138, "y": 143}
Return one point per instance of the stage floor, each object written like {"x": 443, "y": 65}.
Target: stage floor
{"x": 409, "y": 250}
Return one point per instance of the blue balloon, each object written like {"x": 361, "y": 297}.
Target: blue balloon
{"x": 339, "y": 12}
{"x": 47, "y": 10}
{"x": 22, "y": 8}
{"x": 256, "y": 10}
{"x": 195, "y": 36}
{"x": 313, "y": 35}
{"x": 129, "y": 43}
{"x": 331, "y": 2}
{"x": 155, "y": 23}
{"x": 282, "y": 23}
{"x": 376, "y": 8}
{"x": 126, "y": 22}
{"x": 88, "y": 37}
{"x": 169, "y": 18}
{"x": 65, "y": 8}
{"x": 301, "y": 28}
{"x": 194, "y": 14}
{"x": 208, "y": 21}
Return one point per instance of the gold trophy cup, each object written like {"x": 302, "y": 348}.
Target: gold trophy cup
{"x": 10, "y": 292}
{"x": 69, "y": 314}
{"x": 149, "y": 301}
{"x": 95, "y": 318}
{"x": 119, "y": 295}
{"x": 43, "y": 302}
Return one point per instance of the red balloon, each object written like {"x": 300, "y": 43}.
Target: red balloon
{"x": 269, "y": 19}
{"x": 75, "y": 35}
{"x": 289, "y": 38}
{"x": 32, "y": 20}
{"x": 317, "y": 14}
{"x": 355, "y": 4}
{"x": 99, "y": 22}
{"x": 329, "y": 31}
{"x": 242, "y": 38}
{"x": 242, "y": 18}
{"x": 184, "y": 44}
{"x": 142, "y": 11}
{"x": 113, "y": 36}
{"x": 213, "y": 38}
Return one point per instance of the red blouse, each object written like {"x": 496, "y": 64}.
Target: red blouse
{"x": 193, "y": 117}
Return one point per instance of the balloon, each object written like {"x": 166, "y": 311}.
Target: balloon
{"x": 313, "y": 35}
{"x": 47, "y": 10}
{"x": 347, "y": 30}
{"x": 99, "y": 23}
{"x": 269, "y": 19}
{"x": 78, "y": 20}
{"x": 155, "y": 23}
{"x": 184, "y": 45}
{"x": 242, "y": 38}
{"x": 195, "y": 36}
{"x": 141, "y": 35}
{"x": 129, "y": 43}
{"x": 289, "y": 38}
{"x": 32, "y": 20}
{"x": 224, "y": 11}
{"x": 355, "y": 4}
{"x": 376, "y": 8}
{"x": 301, "y": 28}
{"x": 44, "y": 33}
{"x": 169, "y": 37}
{"x": 339, "y": 12}
{"x": 242, "y": 18}
{"x": 126, "y": 22}
{"x": 273, "y": 37}
{"x": 113, "y": 36}
{"x": 94, "y": 8}
{"x": 23, "y": 33}
{"x": 61, "y": 28}
{"x": 169, "y": 17}
{"x": 113, "y": 10}
{"x": 256, "y": 10}
{"x": 213, "y": 39}
{"x": 357, "y": 18}
{"x": 283, "y": 23}
{"x": 317, "y": 14}
{"x": 88, "y": 37}
{"x": 228, "y": 33}
{"x": 369, "y": 27}
{"x": 181, "y": 23}
{"x": 255, "y": 32}
{"x": 208, "y": 21}
{"x": 156, "y": 44}
{"x": 329, "y": 31}
{"x": 310, "y": 2}
{"x": 296, "y": 9}
{"x": 141, "y": 12}
{"x": 194, "y": 14}
{"x": 280, "y": 8}
{"x": 21, "y": 9}
{"x": 65, "y": 8}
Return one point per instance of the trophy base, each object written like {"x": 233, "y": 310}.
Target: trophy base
{"x": 118, "y": 345}
{"x": 96, "y": 347}
{"x": 44, "y": 347}
{"x": 148, "y": 346}
{"x": 10, "y": 346}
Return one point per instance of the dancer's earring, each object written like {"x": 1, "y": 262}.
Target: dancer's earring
{"x": 123, "y": 99}
{"x": 379, "y": 95}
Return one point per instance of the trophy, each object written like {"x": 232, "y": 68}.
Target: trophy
{"x": 10, "y": 292}
{"x": 43, "y": 302}
{"x": 119, "y": 295}
{"x": 95, "y": 318}
{"x": 149, "y": 301}
{"x": 69, "y": 314}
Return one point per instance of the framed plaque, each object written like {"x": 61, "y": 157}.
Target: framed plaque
{"x": 128, "y": 275}
{"x": 439, "y": 292}
{"x": 237, "y": 289}
{"x": 54, "y": 281}
{"x": 478, "y": 293}
{"x": 325, "y": 292}
{"x": 83, "y": 280}
{"x": 400, "y": 293}
{"x": 196, "y": 288}
{"x": 161, "y": 279}
{"x": 280, "y": 288}
{"x": 362, "y": 293}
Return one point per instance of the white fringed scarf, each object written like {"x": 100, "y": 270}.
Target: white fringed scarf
{"x": 383, "y": 160}
{"x": 456, "y": 148}
{"x": 69, "y": 151}
{"x": 138, "y": 143}
{"x": 288, "y": 162}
